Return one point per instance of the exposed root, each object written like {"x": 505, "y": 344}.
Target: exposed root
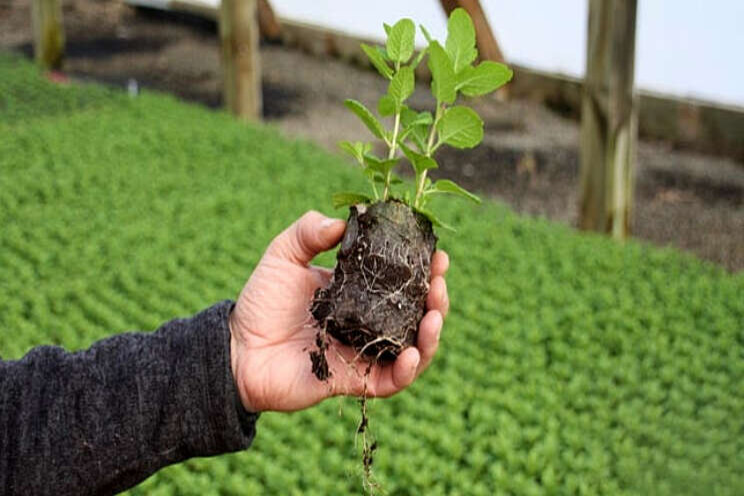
{"x": 369, "y": 445}
{"x": 374, "y": 302}
{"x": 394, "y": 344}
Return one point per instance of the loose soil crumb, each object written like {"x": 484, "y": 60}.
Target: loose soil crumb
{"x": 318, "y": 357}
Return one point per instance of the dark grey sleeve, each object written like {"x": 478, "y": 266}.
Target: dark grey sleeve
{"x": 101, "y": 420}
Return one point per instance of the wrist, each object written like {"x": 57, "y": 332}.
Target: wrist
{"x": 235, "y": 352}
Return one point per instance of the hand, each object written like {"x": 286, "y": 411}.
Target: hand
{"x": 272, "y": 329}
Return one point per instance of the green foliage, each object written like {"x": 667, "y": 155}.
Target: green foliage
{"x": 357, "y": 149}
{"x": 366, "y": 117}
{"x": 377, "y": 59}
{"x": 444, "y": 81}
{"x": 483, "y": 79}
{"x": 401, "y": 87}
{"x": 381, "y": 166}
{"x": 418, "y": 135}
{"x": 569, "y": 364}
{"x": 347, "y": 199}
{"x": 460, "y": 127}
{"x": 460, "y": 42}
{"x": 421, "y": 163}
{"x": 400, "y": 42}
{"x": 450, "y": 187}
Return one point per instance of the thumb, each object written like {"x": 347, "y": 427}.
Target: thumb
{"x": 311, "y": 234}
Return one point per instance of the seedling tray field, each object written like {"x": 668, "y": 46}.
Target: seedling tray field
{"x": 569, "y": 364}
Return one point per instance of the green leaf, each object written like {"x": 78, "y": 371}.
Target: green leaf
{"x": 379, "y": 178}
{"x": 416, "y": 126}
{"x": 447, "y": 186}
{"x": 460, "y": 127}
{"x": 460, "y": 42}
{"x": 346, "y": 199}
{"x": 426, "y": 34}
{"x": 410, "y": 117}
{"x": 366, "y": 117}
{"x": 400, "y": 42}
{"x": 418, "y": 136}
{"x": 407, "y": 116}
{"x": 434, "y": 219}
{"x": 356, "y": 149}
{"x": 485, "y": 78}
{"x": 348, "y": 147}
{"x": 419, "y": 162}
{"x": 386, "y": 105}
{"x": 401, "y": 87}
{"x": 370, "y": 174}
{"x": 375, "y": 57}
{"x": 383, "y": 53}
{"x": 419, "y": 58}
{"x": 443, "y": 82}
{"x": 387, "y": 28}
{"x": 380, "y": 165}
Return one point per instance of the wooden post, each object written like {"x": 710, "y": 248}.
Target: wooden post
{"x": 49, "y": 34}
{"x": 608, "y": 119}
{"x": 241, "y": 64}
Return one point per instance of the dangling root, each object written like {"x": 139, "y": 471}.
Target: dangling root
{"x": 368, "y": 444}
{"x": 322, "y": 372}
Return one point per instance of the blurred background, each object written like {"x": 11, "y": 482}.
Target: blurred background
{"x": 596, "y": 340}
{"x": 689, "y": 182}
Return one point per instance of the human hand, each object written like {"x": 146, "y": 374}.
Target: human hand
{"x": 272, "y": 330}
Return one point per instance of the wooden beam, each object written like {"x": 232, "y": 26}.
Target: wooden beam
{"x": 269, "y": 24}
{"x": 608, "y": 119}
{"x": 49, "y": 33}
{"x": 241, "y": 64}
{"x": 271, "y": 28}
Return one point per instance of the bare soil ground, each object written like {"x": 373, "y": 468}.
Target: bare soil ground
{"x": 529, "y": 158}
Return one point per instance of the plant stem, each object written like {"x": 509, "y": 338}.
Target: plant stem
{"x": 393, "y": 145}
{"x": 429, "y": 151}
{"x": 391, "y": 155}
{"x": 374, "y": 190}
{"x": 433, "y": 132}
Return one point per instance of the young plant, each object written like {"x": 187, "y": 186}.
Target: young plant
{"x": 417, "y": 135}
{"x": 377, "y": 295}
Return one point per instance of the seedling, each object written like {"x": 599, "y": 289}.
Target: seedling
{"x": 377, "y": 296}
{"x": 418, "y": 135}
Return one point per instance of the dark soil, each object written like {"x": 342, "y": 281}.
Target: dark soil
{"x": 318, "y": 358}
{"x": 377, "y": 295}
{"x": 529, "y": 158}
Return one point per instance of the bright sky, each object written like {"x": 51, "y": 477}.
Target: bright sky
{"x": 683, "y": 47}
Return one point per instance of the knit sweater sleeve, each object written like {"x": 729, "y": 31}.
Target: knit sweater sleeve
{"x": 102, "y": 420}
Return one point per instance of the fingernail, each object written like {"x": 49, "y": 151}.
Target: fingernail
{"x": 416, "y": 363}
{"x": 439, "y": 333}
{"x": 328, "y": 222}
